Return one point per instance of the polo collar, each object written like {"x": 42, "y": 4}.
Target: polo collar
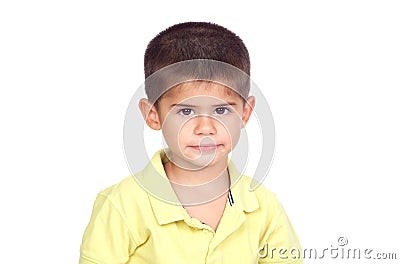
{"x": 245, "y": 199}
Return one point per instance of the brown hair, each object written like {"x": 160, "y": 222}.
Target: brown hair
{"x": 191, "y": 41}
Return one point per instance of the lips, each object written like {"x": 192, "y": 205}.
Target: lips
{"x": 205, "y": 148}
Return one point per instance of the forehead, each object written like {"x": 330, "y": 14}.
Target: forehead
{"x": 193, "y": 89}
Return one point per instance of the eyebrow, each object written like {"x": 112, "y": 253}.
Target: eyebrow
{"x": 192, "y": 106}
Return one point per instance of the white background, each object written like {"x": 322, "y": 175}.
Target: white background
{"x": 329, "y": 70}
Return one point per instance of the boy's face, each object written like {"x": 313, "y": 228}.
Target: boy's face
{"x": 201, "y": 122}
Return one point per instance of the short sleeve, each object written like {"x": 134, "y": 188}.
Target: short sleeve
{"x": 279, "y": 243}
{"x": 106, "y": 238}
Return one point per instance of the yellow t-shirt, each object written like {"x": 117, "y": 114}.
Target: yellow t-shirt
{"x": 130, "y": 225}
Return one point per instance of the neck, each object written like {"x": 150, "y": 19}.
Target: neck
{"x": 200, "y": 186}
{"x": 204, "y": 175}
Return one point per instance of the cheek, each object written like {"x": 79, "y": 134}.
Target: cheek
{"x": 177, "y": 132}
{"x": 234, "y": 135}
{"x": 170, "y": 130}
{"x": 230, "y": 128}
{"x": 184, "y": 134}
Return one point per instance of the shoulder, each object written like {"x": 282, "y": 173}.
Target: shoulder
{"x": 249, "y": 188}
{"x": 125, "y": 188}
{"x": 261, "y": 205}
{"x": 127, "y": 196}
{"x": 113, "y": 232}
{"x": 124, "y": 205}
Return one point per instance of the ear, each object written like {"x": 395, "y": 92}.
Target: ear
{"x": 150, "y": 114}
{"x": 248, "y": 109}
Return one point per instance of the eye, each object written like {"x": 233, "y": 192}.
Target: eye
{"x": 186, "y": 112}
{"x": 222, "y": 111}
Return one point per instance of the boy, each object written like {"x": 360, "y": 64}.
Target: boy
{"x": 190, "y": 204}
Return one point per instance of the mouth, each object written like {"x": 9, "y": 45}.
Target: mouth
{"x": 205, "y": 148}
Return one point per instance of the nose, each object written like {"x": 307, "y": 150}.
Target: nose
{"x": 205, "y": 125}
